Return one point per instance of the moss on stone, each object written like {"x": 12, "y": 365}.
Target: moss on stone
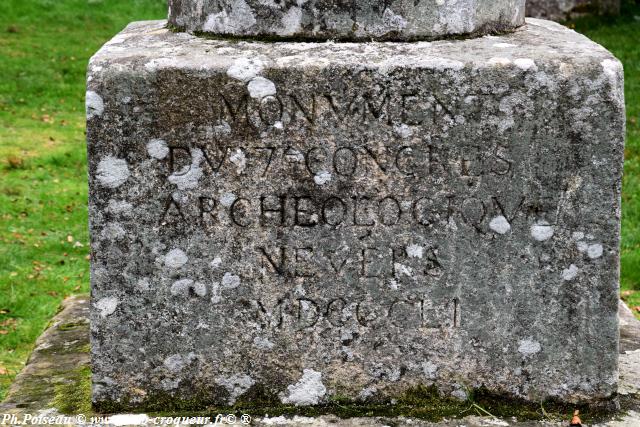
{"x": 70, "y": 326}
{"x": 73, "y": 396}
{"x": 421, "y": 402}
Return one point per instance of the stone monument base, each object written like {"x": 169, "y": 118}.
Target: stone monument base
{"x": 306, "y": 222}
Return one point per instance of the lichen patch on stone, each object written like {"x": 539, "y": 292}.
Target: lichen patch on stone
{"x": 542, "y": 231}
{"x": 526, "y": 64}
{"x": 415, "y": 251}
{"x": 175, "y": 258}
{"x": 94, "y": 105}
{"x": 309, "y": 390}
{"x": 230, "y": 281}
{"x": 189, "y": 177}
{"x": 529, "y": 347}
{"x": 236, "y": 385}
{"x": 240, "y": 18}
{"x": 259, "y": 87}
{"x": 595, "y": 251}
{"x": 188, "y": 287}
{"x": 157, "y": 148}
{"x": 112, "y": 172}
{"x": 500, "y": 225}
{"x": 107, "y": 306}
{"x": 322, "y": 177}
{"x": 570, "y": 273}
{"x": 245, "y": 69}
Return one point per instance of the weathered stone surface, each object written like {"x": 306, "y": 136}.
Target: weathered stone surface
{"x": 353, "y": 19}
{"x": 301, "y": 220}
{"x": 60, "y": 352}
{"x": 33, "y": 393}
{"x": 560, "y": 10}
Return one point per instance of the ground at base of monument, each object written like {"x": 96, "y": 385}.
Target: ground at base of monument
{"x": 56, "y": 382}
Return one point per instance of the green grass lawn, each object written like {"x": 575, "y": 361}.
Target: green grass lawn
{"x": 44, "y": 49}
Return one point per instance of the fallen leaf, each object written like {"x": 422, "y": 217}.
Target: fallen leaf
{"x": 3, "y": 332}
{"x": 3, "y": 371}
{"x": 69, "y": 238}
{"x": 53, "y": 293}
{"x": 9, "y": 323}
{"x": 637, "y": 308}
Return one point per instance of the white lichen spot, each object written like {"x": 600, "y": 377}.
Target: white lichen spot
{"x": 499, "y": 62}
{"x": 308, "y": 391}
{"x": 236, "y": 385}
{"x": 366, "y": 393}
{"x": 403, "y": 131}
{"x": 291, "y": 22}
{"x": 262, "y": 343}
{"x": 612, "y": 68}
{"x": 230, "y": 281}
{"x": 259, "y": 87}
{"x": 570, "y": 273}
{"x": 236, "y": 21}
{"x": 430, "y": 370}
{"x": 187, "y": 287}
{"x": 393, "y": 21}
{"x": 542, "y": 231}
{"x": 143, "y": 284}
{"x": 500, "y": 225}
{"x": 157, "y": 148}
{"x": 175, "y": 258}
{"x": 217, "y": 261}
{"x": 401, "y": 269}
{"x": 582, "y": 246}
{"x": 189, "y": 176}
{"x": 322, "y": 177}
{"x": 460, "y": 394}
{"x": 107, "y": 306}
{"x": 529, "y": 347}
{"x": 227, "y": 199}
{"x": 595, "y": 251}
{"x": 526, "y": 64}
{"x": 245, "y": 69}
{"x": 393, "y": 285}
{"x": 94, "y": 105}
{"x": 239, "y": 159}
{"x": 112, "y": 172}
{"x": 578, "y": 235}
{"x": 177, "y": 362}
{"x": 415, "y": 251}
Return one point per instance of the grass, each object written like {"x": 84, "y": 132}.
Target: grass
{"x": 44, "y": 49}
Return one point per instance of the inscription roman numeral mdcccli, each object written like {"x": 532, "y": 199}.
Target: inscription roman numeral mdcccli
{"x": 307, "y": 313}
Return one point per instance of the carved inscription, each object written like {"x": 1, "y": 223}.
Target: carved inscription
{"x": 354, "y": 225}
